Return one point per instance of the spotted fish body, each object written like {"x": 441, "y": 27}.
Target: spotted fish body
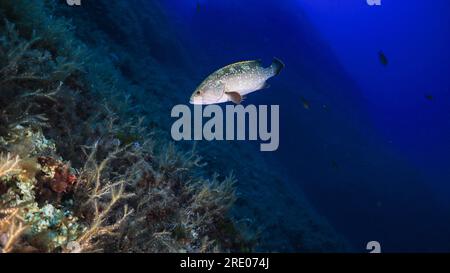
{"x": 234, "y": 81}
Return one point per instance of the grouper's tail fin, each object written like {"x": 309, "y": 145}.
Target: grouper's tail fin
{"x": 277, "y": 66}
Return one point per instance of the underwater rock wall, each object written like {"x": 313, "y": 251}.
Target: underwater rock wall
{"x": 79, "y": 172}
{"x": 262, "y": 187}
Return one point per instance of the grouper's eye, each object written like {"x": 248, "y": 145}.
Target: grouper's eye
{"x": 197, "y": 93}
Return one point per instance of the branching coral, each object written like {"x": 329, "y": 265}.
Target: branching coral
{"x": 175, "y": 210}
{"x": 99, "y": 194}
{"x": 9, "y": 164}
{"x": 11, "y": 229}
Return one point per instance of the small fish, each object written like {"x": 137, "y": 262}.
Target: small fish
{"x": 232, "y": 82}
{"x": 383, "y": 59}
{"x": 198, "y": 7}
{"x": 429, "y": 97}
{"x": 305, "y": 103}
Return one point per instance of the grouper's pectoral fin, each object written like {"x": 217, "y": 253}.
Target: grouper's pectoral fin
{"x": 234, "y": 97}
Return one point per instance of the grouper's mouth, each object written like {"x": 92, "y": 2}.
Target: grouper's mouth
{"x": 195, "y": 102}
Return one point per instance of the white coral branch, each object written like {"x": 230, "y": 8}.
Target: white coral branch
{"x": 9, "y": 164}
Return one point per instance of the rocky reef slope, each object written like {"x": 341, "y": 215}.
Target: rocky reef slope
{"x": 86, "y": 161}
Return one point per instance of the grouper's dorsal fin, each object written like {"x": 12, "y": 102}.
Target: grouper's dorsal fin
{"x": 250, "y": 63}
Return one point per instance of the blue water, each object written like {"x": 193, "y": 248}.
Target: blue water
{"x": 372, "y": 154}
